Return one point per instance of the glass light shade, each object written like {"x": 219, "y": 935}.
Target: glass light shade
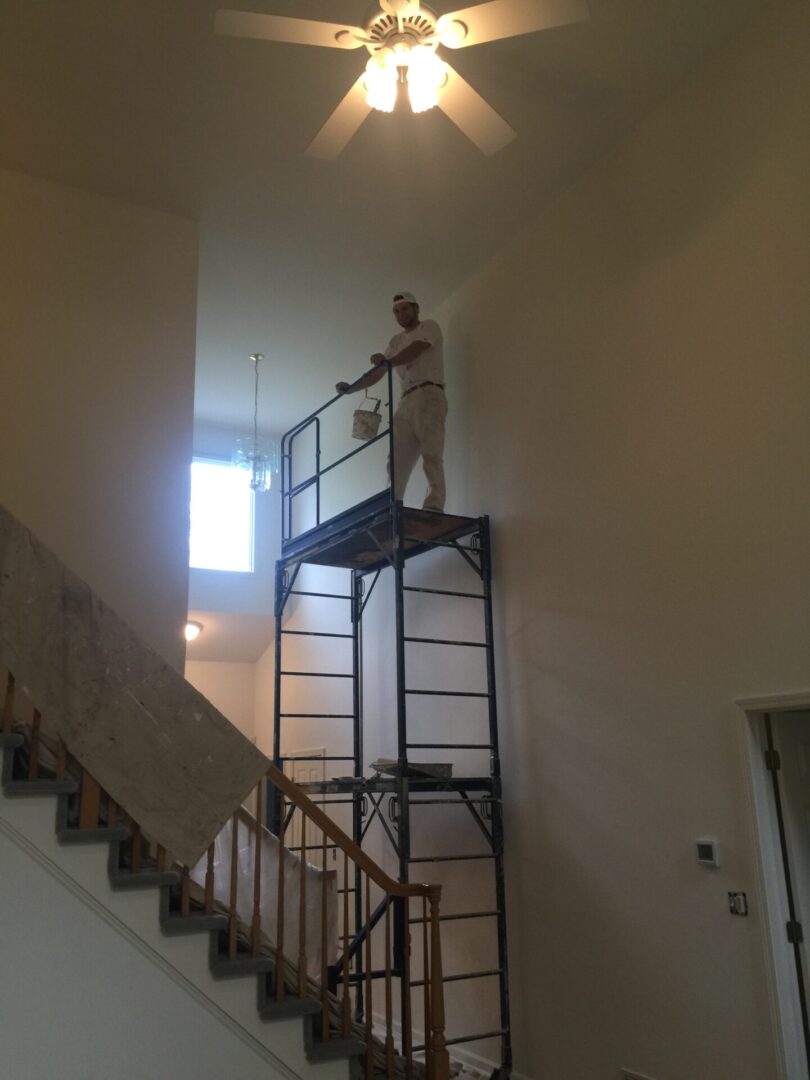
{"x": 426, "y": 74}
{"x": 192, "y": 631}
{"x": 259, "y": 457}
{"x": 381, "y": 82}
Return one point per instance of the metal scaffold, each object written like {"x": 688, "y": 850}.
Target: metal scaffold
{"x": 374, "y": 539}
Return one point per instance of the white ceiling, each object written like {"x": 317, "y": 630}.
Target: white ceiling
{"x": 299, "y": 258}
{"x": 228, "y": 637}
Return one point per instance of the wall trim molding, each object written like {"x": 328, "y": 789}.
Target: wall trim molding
{"x": 91, "y": 902}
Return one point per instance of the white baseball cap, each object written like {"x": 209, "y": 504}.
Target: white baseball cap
{"x": 411, "y": 299}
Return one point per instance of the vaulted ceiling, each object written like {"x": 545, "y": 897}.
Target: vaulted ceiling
{"x": 138, "y": 99}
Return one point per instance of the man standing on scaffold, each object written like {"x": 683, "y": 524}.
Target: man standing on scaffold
{"x": 416, "y": 354}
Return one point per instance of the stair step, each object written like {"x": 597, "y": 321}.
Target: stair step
{"x": 100, "y": 835}
{"x": 16, "y": 789}
{"x": 289, "y": 1008}
{"x": 335, "y": 1049}
{"x": 223, "y": 967}
{"x": 142, "y": 879}
{"x": 181, "y": 926}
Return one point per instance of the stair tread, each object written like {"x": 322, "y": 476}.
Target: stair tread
{"x": 32, "y": 788}
{"x": 334, "y": 1049}
{"x": 99, "y": 835}
{"x": 289, "y": 1007}
{"x": 180, "y": 925}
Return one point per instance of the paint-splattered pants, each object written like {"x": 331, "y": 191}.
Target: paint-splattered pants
{"x": 419, "y": 430}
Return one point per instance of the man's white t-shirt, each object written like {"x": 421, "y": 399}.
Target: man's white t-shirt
{"x": 429, "y": 367}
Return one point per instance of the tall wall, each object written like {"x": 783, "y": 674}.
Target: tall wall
{"x": 230, "y": 687}
{"x": 633, "y": 381}
{"x": 97, "y": 317}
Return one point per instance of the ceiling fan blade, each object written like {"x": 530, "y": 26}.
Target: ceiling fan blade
{"x": 508, "y": 18}
{"x": 342, "y": 124}
{"x": 250, "y": 24}
{"x": 468, "y": 111}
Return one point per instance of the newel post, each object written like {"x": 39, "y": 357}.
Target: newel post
{"x": 440, "y": 1059}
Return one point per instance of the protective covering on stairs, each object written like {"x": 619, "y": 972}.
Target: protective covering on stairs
{"x": 161, "y": 750}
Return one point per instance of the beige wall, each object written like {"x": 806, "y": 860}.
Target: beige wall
{"x": 634, "y": 416}
{"x": 97, "y": 310}
{"x": 230, "y": 687}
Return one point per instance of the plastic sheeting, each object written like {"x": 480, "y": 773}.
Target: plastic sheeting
{"x": 316, "y": 882}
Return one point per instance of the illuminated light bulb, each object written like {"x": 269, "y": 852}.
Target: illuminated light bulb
{"x": 426, "y": 73}
{"x": 381, "y": 82}
{"x": 192, "y": 631}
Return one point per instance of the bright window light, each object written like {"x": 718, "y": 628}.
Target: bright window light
{"x": 221, "y": 517}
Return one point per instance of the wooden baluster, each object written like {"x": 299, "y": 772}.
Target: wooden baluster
{"x": 426, "y": 988}
{"x": 256, "y": 929}
{"x": 282, "y": 851}
{"x": 389, "y": 1011}
{"x": 161, "y": 857}
{"x": 326, "y": 877}
{"x": 234, "y": 877}
{"x": 407, "y": 1012}
{"x": 8, "y": 706}
{"x": 33, "y": 759}
{"x": 209, "y": 882}
{"x": 368, "y": 1003}
{"x": 438, "y": 1048}
{"x": 185, "y": 893}
{"x": 302, "y": 912}
{"x": 112, "y": 812}
{"x": 61, "y": 760}
{"x": 137, "y": 848}
{"x": 346, "y": 1001}
{"x": 89, "y": 802}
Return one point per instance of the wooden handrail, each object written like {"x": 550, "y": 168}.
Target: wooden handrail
{"x": 345, "y": 842}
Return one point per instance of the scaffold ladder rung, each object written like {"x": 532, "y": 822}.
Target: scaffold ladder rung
{"x": 319, "y": 674}
{"x": 469, "y": 1038}
{"x": 315, "y": 757}
{"x": 323, "y": 595}
{"x": 463, "y": 977}
{"x": 315, "y": 633}
{"x": 448, "y": 746}
{"x": 449, "y": 858}
{"x": 443, "y": 592}
{"x": 460, "y": 915}
{"x": 447, "y": 693}
{"x": 447, "y": 641}
{"x": 319, "y": 715}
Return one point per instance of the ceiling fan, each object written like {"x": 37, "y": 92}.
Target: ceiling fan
{"x": 403, "y": 38}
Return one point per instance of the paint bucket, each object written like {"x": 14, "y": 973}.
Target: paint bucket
{"x": 366, "y": 421}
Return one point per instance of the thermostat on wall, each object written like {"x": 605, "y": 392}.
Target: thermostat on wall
{"x": 707, "y": 853}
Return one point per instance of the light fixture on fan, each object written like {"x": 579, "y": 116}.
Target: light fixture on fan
{"x": 403, "y": 38}
{"x": 417, "y": 65}
{"x": 255, "y": 453}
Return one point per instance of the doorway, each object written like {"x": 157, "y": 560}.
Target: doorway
{"x": 779, "y": 752}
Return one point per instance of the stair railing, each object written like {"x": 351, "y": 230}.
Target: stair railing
{"x": 347, "y": 997}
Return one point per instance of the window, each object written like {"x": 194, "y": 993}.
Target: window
{"x": 221, "y": 517}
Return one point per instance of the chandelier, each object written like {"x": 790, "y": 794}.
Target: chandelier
{"x": 255, "y": 453}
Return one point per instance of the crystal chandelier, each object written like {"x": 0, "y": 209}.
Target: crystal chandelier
{"x": 255, "y": 453}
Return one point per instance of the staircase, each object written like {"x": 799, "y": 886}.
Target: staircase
{"x": 144, "y": 904}
{"x": 273, "y": 967}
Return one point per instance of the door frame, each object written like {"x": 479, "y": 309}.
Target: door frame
{"x": 783, "y": 990}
